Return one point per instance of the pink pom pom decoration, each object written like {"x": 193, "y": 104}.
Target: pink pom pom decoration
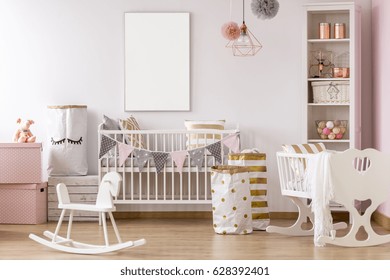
{"x": 326, "y": 131}
{"x": 230, "y": 30}
{"x": 339, "y": 136}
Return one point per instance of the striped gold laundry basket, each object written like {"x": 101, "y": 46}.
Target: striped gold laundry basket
{"x": 256, "y": 162}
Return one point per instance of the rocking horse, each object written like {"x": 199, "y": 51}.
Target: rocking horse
{"x": 108, "y": 189}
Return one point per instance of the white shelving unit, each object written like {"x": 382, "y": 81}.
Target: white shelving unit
{"x": 349, "y": 49}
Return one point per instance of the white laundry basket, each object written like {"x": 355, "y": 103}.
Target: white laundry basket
{"x": 67, "y": 140}
{"x": 231, "y": 200}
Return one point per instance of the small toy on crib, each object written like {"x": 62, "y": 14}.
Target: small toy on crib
{"x": 23, "y": 134}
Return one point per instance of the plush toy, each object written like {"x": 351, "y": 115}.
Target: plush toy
{"x": 23, "y": 134}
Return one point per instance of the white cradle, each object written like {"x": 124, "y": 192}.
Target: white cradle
{"x": 191, "y": 186}
{"x": 356, "y": 175}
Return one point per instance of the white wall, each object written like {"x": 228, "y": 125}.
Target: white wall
{"x": 55, "y": 52}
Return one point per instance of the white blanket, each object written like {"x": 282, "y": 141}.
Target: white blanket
{"x": 319, "y": 179}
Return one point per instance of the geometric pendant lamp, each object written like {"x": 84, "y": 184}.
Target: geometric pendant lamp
{"x": 246, "y": 44}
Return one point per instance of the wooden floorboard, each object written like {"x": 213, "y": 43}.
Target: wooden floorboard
{"x": 182, "y": 239}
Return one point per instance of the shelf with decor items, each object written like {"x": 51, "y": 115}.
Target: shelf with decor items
{"x": 331, "y": 75}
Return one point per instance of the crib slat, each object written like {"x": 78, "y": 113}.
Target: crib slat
{"x": 165, "y": 173}
{"x": 280, "y": 171}
{"x": 173, "y": 168}
{"x": 205, "y": 177}
{"x": 289, "y": 175}
{"x": 155, "y": 174}
{"x": 181, "y": 140}
{"x": 123, "y": 175}
{"x": 189, "y": 175}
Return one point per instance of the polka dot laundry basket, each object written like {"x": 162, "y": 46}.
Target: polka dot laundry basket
{"x": 231, "y": 199}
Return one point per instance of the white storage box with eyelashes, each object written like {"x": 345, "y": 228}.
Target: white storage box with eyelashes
{"x": 67, "y": 140}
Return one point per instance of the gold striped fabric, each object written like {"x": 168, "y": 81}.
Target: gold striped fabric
{"x": 260, "y": 216}
{"x": 299, "y": 166}
{"x": 304, "y": 148}
{"x": 259, "y": 204}
{"x": 258, "y": 192}
{"x": 257, "y": 168}
{"x": 206, "y": 126}
{"x": 258, "y": 180}
{"x": 136, "y": 140}
{"x": 203, "y": 139}
{"x": 248, "y": 156}
{"x": 256, "y": 162}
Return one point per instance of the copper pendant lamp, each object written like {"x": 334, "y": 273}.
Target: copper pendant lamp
{"x": 246, "y": 44}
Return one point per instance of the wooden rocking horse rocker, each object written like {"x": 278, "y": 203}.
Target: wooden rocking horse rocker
{"x": 108, "y": 189}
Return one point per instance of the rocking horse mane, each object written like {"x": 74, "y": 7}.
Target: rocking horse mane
{"x": 108, "y": 189}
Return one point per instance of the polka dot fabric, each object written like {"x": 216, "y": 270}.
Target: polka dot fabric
{"x": 20, "y": 163}
{"x": 231, "y": 200}
{"x": 23, "y": 203}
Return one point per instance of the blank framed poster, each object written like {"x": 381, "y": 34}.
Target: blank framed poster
{"x": 157, "y": 62}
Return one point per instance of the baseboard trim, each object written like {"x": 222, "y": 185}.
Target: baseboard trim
{"x": 381, "y": 220}
{"x": 190, "y": 215}
{"x": 339, "y": 216}
{"x": 164, "y": 215}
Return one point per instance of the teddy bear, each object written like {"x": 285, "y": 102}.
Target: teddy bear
{"x": 23, "y": 134}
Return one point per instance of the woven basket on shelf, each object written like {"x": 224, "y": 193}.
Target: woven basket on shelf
{"x": 330, "y": 92}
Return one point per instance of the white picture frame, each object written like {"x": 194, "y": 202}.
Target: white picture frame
{"x": 157, "y": 61}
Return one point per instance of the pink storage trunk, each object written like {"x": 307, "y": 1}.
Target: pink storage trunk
{"x": 20, "y": 163}
{"x": 23, "y": 203}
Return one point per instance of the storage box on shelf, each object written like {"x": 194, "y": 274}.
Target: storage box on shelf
{"x": 330, "y": 92}
{"x": 82, "y": 189}
{"x": 23, "y": 195}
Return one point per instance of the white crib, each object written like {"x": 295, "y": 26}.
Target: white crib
{"x": 191, "y": 186}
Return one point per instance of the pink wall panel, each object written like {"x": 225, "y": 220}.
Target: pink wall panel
{"x": 381, "y": 75}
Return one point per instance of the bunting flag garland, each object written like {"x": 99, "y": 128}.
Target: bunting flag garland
{"x": 179, "y": 157}
{"x": 197, "y": 156}
{"x": 141, "y": 157}
{"x": 124, "y": 152}
{"x": 233, "y": 142}
{"x": 106, "y": 144}
{"x": 215, "y": 150}
{"x": 159, "y": 160}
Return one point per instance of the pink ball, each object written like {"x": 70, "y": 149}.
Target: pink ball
{"x": 230, "y": 30}
{"x": 326, "y": 131}
{"x": 329, "y": 124}
{"x": 339, "y": 136}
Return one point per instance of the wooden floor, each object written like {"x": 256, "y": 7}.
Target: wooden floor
{"x": 182, "y": 239}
